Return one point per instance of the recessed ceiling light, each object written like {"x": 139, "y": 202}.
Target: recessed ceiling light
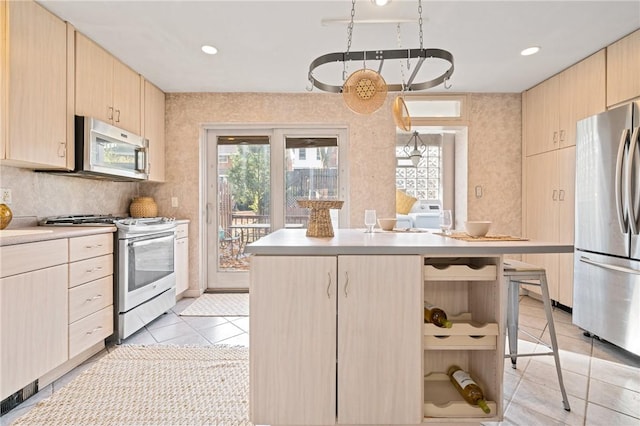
{"x": 380, "y": 2}
{"x": 530, "y": 51}
{"x": 209, "y": 50}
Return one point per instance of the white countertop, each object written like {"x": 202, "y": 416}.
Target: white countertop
{"x": 30, "y": 234}
{"x": 294, "y": 242}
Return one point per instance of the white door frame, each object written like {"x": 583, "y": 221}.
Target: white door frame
{"x": 208, "y": 235}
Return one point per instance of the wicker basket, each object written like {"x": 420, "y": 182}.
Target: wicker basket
{"x": 319, "y": 219}
{"x": 143, "y": 207}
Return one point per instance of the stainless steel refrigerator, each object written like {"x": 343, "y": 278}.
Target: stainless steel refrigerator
{"x": 606, "y": 286}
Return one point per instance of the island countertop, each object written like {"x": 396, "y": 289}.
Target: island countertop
{"x": 294, "y": 242}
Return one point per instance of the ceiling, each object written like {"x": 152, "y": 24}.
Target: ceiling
{"x": 267, "y": 46}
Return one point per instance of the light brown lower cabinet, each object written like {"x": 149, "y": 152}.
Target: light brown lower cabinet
{"x": 341, "y": 339}
{"x": 56, "y": 305}
{"x": 33, "y": 312}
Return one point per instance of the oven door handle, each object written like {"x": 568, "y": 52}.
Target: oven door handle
{"x": 146, "y": 242}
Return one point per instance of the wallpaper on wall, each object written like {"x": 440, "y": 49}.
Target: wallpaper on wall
{"x": 494, "y": 146}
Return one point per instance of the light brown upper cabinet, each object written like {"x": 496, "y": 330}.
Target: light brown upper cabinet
{"x": 623, "y": 69}
{"x": 154, "y": 130}
{"x": 33, "y": 111}
{"x": 551, "y": 111}
{"x": 106, "y": 88}
{"x": 552, "y": 108}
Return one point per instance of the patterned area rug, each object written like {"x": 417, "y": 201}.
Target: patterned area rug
{"x": 154, "y": 385}
{"x": 219, "y": 305}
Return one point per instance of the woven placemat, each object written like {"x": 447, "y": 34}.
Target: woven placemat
{"x": 219, "y": 305}
{"x": 466, "y": 237}
{"x": 154, "y": 385}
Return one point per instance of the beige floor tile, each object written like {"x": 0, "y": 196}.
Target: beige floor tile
{"x": 168, "y": 318}
{"x": 616, "y": 373}
{"x": 521, "y": 366}
{"x": 140, "y": 337}
{"x": 599, "y": 416}
{"x": 570, "y": 361}
{"x": 561, "y": 316}
{"x": 545, "y": 374}
{"x": 578, "y": 344}
{"x": 614, "y": 397}
{"x": 518, "y": 414}
{"x": 171, "y": 331}
{"x": 510, "y": 384}
{"x": 242, "y": 322}
{"x": 569, "y": 330}
{"x": 546, "y": 400}
{"x": 220, "y": 332}
{"x": 239, "y": 340}
{"x": 200, "y": 323}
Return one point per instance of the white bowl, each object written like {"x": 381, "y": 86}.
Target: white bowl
{"x": 387, "y": 224}
{"x": 477, "y": 228}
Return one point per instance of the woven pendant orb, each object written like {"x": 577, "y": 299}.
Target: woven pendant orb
{"x": 364, "y": 91}
{"x": 401, "y": 114}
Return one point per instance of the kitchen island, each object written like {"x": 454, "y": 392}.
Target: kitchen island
{"x": 337, "y": 332}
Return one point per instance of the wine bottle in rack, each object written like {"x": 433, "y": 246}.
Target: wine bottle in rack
{"x": 469, "y": 389}
{"x": 436, "y": 316}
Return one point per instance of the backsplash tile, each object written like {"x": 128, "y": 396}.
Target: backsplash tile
{"x": 43, "y": 195}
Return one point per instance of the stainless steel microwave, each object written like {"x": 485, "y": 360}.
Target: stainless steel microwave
{"x": 103, "y": 151}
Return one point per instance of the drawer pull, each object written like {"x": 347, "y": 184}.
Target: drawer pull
{"x": 94, "y": 298}
{"x": 97, "y": 268}
{"x": 98, "y": 328}
{"x": 92, "y": 247}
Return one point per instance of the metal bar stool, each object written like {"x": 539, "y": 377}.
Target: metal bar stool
{"x": 517, "y": 273}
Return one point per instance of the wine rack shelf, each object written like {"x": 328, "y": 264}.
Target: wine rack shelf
{"x": 441, "y": 399}
{"x": 470, "y": 272}
{"x": 464, "y": 334}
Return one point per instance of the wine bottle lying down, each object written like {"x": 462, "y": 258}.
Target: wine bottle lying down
{"x": 467, "y": 387}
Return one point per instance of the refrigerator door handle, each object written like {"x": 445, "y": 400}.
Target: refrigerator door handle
{"x": 633, "y": 164}
{"x": 610, "y": 267}
{"x": 622, "y": 217}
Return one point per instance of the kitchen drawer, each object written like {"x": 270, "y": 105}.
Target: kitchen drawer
{"x": 90, "y": 246}
{"x": 90, "y": 330}
{"x": 20, "y": 258}
{"x": 88, "y": 298}
{"x": 91, "y": 269}
{"x": 182, "y": 230}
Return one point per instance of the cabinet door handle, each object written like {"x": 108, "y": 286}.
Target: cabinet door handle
{"x": 554, "y": 196}
{"x": 117, "y": 116}
{"x": 562, "y": 134}
{"x": 94, "y": 297}
{"x": 346, "y": 284}
{"x": 555, "y": 137}
{"x": 95, "y": 329}
{"x": 62, "y": 149}
{"x": 329, "y": 285}
{"x": 110, "y": 113}
{"x": 561, "y": 195}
